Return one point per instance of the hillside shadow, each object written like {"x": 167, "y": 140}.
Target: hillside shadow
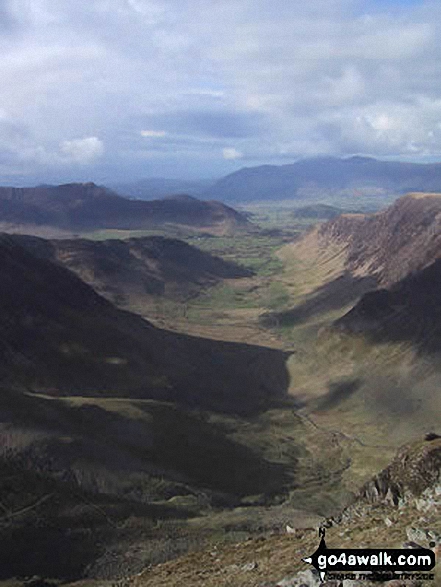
{"x": 53, "y": 436}
{"x": 58, "y": 336}
{"x": 410, "y": 311}
{"x": 223, "y": 376}
{"x": 334, "y": 295}
{"x": 76, "y": 451}
{"x": 338, "y": 392}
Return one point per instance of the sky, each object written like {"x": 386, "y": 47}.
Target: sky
{"x": 116, "y": 90}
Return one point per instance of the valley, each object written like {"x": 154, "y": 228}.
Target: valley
{"x": 220, "y": 293}
{"x": 165, "y": 396}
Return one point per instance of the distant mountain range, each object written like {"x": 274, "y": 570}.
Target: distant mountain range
{"x": 271, "y": 182}
{"x": 86, "y": 206}
{"x": 152, "y": 188}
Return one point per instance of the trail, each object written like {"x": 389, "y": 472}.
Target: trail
{"x": 348, "y": 437}
{"x": 28, "y": 508}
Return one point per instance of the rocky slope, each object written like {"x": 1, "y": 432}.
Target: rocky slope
{"x": 275, "y": 561}
{"x": 415, "y": 471}
{"x": 356, "y": 253}
{"x": 389, "y": 245}
{"x": 86, "y": 206}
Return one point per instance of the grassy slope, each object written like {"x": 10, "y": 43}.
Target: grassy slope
{"x": 376, "y": 396}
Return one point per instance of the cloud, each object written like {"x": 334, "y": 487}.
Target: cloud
{"x": 276, "y": 79}
{"x": 231, "y": 153}
{"x": 83, "y": 151}
{"x": 217, "y": 123}
{"x": 153, "y": 133}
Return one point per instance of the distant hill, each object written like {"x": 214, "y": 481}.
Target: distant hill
{"x": 130, "y": 271}
{"x": 59, "y": 337}
{"x": 271, "y": 182}
{"x": 154, "y": 188}
{"x": 86, "y": 206}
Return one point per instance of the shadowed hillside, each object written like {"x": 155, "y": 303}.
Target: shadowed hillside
{"x": 94, "y": 478}
{"x": 130, "y": 271}
{"x": 58, "y": 336}
{"x": 366, "y": 360}
{"x": 337, "y": 262}
{"x": 409, "y": 311}
{"x": 91, "y": 453}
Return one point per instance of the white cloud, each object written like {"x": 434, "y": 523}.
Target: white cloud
{"x": 276, "y": 78}
{"x": 83, "y": 151}
{"x": 231, "y": 153}
{"x": 153, "y": 133}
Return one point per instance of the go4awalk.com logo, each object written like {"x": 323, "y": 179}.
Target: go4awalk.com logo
{"x": 371, "y": 562}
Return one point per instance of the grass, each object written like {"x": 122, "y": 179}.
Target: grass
{"x": 253, "y": 251}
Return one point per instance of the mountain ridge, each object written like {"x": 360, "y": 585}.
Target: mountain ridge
{"x": 132, "y": 271}
{"x": 386, "y": 245}
{"x": 86, "y": 206}
{"x": 293, "y": 180}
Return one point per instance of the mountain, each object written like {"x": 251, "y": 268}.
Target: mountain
{"x": 366, "y": 320}
{"x": 86, "y": 206}
{"x": 353, "y": 254}
{"x": 154, "y": 188}
{"x": 133, "y": 271}
{"x": 387, "y": 245}
{"x": 401, "y": 249}
{"x": 57, "y": 336}
{"x": 271, "y": 182}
